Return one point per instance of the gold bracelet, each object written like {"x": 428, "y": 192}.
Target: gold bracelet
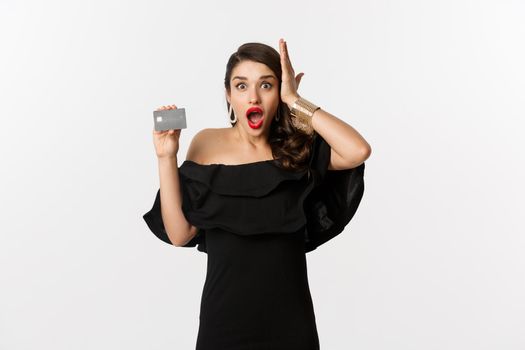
{"x": 302, "y": 111}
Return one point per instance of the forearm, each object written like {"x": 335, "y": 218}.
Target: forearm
{"x": 342, "y": 137}
{"x": 175, "y": 223}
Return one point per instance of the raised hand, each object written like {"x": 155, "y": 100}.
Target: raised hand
{"x": 290, "y": 82}
{"x": 166, "y": 142}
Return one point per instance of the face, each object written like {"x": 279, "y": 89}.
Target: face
{"x": 254, "y": 84}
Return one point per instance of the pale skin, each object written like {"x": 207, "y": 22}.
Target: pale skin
{"x": 241, "y": 144}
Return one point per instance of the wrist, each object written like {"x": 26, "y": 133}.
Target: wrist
{"x": 290, "y": 101}
{"x": 167, "y": 159}
{"x": 302, "y": 112}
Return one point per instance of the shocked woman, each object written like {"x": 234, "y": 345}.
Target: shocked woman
{"x": 285, "y": 178}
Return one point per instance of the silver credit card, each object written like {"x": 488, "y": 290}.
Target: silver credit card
{"x": 169, "y": 119}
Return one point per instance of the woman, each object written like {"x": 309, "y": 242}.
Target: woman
{"x": 284, "y": 179}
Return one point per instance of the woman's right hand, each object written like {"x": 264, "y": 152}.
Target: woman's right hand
{"x": 167, "y": 141}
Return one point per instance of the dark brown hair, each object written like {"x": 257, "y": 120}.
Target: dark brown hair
{"x": 290, "y": 146}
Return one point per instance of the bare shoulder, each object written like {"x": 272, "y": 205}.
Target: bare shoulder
{"x": 206, "y": 143}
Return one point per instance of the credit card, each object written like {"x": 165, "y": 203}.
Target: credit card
{"x": 169, "y": 119}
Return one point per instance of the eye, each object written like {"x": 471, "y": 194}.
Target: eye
{"x": 264, "y": 83}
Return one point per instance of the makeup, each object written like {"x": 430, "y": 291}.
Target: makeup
{"x": 255, "y": 117}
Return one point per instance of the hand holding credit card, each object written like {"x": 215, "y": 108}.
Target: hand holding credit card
{"x": 169, "y": 119}
{"x": 168, "y": 124}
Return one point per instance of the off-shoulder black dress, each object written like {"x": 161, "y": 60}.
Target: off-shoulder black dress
{"x": 256, "y": 222}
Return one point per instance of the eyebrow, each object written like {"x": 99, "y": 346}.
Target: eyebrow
{"x": 262, "y": 77}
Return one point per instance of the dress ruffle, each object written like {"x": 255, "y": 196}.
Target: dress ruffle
{"x": 334, "y": 199}
{"x": 260, "y": 197}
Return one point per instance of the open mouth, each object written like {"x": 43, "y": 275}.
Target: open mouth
{"x": 255, "y": 116}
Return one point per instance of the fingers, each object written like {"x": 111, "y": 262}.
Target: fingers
{"x": 169, "y": 132}
{"x": 286, "y": 53}
{"x": 285, "y": 57}
{"x": 166, "y": 107}
{"x": 155, "y": 132}
{"x": 298, "y": 78}
{"x": 282, "y": 50}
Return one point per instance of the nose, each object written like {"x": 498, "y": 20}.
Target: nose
{"x": 254, "y": 96}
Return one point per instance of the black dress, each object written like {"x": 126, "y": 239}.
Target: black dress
{"x": 256, "y": 222}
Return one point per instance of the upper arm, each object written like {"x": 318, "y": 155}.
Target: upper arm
{"x": 194, "y": 153}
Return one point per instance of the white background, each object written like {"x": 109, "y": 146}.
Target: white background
{"x": 434, "y": 257}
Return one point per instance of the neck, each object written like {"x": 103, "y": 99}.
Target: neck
{"x": 251, "y": 143}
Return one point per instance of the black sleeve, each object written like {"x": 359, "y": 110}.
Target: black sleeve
{"x": 334, "y": 199}
{"x": 154, "y": 221}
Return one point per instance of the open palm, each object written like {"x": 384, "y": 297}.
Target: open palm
{"x": 290, "y": 82}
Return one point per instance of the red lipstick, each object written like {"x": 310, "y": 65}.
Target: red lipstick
{"x": 256, "y": 121}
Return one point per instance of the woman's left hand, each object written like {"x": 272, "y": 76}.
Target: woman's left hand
{"x": 290, "y": 82}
